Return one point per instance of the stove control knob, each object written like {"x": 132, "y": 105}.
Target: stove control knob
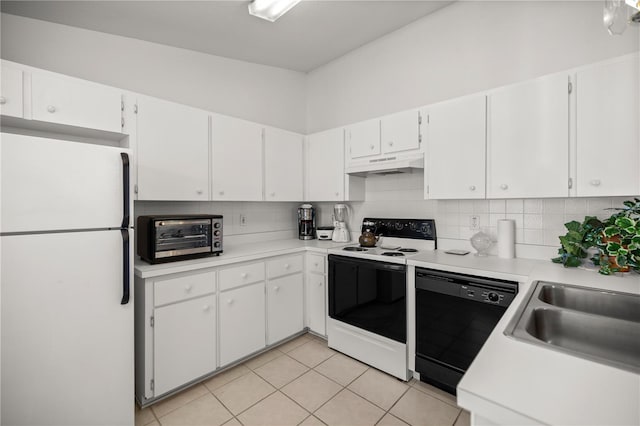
{"x": 493, "y": 297}
{"x": 413, "y": 226}
{"x": 216, "y": 233}
{"x": 399, "y": 226}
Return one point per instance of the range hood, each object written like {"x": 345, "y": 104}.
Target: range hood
{"x": 386, "y": 165}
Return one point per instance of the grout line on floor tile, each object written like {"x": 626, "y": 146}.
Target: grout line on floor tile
{"x": 436, "y": 396}
{"x": 457, "y": 417}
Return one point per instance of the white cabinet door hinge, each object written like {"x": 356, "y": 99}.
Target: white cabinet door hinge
{"x": 420, "y": 138}
{"x": 570, "y": 88}
{"x": 121, "y": 105}
{"x": 427, "y": 189}
{"x": 570, "y": 183}
{"x": 122, "y": 122}
{"x": 419, "y": 119}
{"x": 135, "y": 108}
{"x": 152, "y": 384}
{"x": 152, "y": 321}
{"x": 135, "y": 188}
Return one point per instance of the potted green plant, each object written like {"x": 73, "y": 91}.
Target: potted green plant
{"x": 575, "y": 244}
{"x": 617, "y": 240}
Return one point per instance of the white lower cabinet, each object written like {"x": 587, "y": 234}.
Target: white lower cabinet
{"x": 284, "y": 307}
{"x": 184, "y": 342}
{"x": 315, "y": 294}
{"x": 242, "y": 328}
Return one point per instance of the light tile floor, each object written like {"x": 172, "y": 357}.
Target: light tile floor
{"x": 303, "y": 382}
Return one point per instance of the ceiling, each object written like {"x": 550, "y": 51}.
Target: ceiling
{"x": 311, "y": 34}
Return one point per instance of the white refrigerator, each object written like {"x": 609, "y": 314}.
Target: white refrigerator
{"x": 67, "y": 349}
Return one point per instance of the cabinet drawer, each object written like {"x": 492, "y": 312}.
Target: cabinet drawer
{"x": 284, "y": 266}
{"x": 315, "y": 263}
{"x": 184, "y": 287}
{"x": 239, "y": 275}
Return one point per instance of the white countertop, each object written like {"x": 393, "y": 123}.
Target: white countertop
{"x": 510, "y": 382}
{"x": 513, "y": 382}
{"x": 234, "y": 253}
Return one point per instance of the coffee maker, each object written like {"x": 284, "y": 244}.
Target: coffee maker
{"x": 306, "y": 222}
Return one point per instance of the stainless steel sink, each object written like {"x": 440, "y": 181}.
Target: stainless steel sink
{"x": 601, "y": 326}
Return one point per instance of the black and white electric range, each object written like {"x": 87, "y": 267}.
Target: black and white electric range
{"x": 368, "y": 293}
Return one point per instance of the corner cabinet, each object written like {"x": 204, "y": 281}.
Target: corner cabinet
{"x": 173, "y": 151}
{"x": 236, "y": 159}
{"x": 283, "y": 164}
{"x": 11, "y": 102}
{"x": 315, "y": 294}
{"x": 608, "y": 112}
{"x": 528, "y": 139}
{"x": 456, "y": 142}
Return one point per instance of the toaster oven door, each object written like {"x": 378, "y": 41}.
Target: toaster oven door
{"x": 182, "y": 237}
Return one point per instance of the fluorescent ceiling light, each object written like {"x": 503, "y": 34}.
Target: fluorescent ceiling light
{"x": 271, "y": 9}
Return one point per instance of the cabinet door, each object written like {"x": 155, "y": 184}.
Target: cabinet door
{"x": 283, "y": 179}
{"x": 400, "y": 132}
{"x": 456, "y": 149}
{"x": 242, "y": 316}
{"x": 65, "y": 100}
{"x": 184, "y": 342}
{"x": 607, "y": 114}
{"x": 236, "y": 159}
{"x": 173, "y": 151}
{"x": 11, "y": 91}
{"x": 315, "y": 303}
{"x": 284, "y": 307}
{"x": 364, "y": 138}
{"x": 325, "y": 166}
{"x": 528, "y": 139}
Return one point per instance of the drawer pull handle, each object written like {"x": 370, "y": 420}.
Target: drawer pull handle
{"x": 286, "y": 266}
{"x": 595, "y": 182}
{"x": 276, "y": 289}
{"x": 229, "y": 302}
{"x": 188, "y": 288}
{"x": 51, "y": 109}
{"x": 472, "y": 187}
{"x": 244, "y": 275}
{"x": 206, "y": 308}
{"x": 504, "y": 186}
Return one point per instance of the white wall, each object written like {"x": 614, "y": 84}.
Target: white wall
{"x": 464, "y": 48}
{"x": 259, "y": 93}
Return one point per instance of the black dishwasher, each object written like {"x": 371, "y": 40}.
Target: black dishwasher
{"x": 455, "y": 313}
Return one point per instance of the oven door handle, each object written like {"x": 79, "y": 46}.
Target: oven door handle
{"x": 376, "y": 264}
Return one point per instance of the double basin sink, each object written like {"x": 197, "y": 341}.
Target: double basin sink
{"x": 598, "y": 325}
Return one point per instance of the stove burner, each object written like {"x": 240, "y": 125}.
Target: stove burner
{"x": 392, "y": 253}
{"x": 354, "y": 248}
{"x": 408, "y": 250}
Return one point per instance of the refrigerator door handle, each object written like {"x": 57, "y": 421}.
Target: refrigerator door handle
{"x": 125, "y": 266}
{"x": 125, "y": 189}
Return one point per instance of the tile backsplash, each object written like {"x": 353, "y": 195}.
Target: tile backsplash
{"x": 539, "y": 222}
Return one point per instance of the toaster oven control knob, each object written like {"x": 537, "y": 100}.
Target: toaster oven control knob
{"x": 217, "y": 225}
{"x": 216, "y": 233}
{"x": 216, "y": 244}
{"x": 493, "y": 297}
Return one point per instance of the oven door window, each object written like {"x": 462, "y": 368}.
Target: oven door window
{"x": 369, "y": 295}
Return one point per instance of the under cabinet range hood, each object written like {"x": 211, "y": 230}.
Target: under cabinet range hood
{"x": 389, "y": 164}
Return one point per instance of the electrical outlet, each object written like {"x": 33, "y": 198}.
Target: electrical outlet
{"x": 474, "y": 223}
{"x": 243, "y": 220}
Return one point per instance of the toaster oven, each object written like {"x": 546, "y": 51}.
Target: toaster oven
{"x": 171, "y": 238}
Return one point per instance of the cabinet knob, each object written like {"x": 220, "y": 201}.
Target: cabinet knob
{"x": 390, "y": 143}
{"x": 337, "y": 194}
{"x": 320, "y": 284}
{"x": 244, "y": 275}
{"x": 315, "y": 264}
{"x": 276, "y": 289}
{"x": 188, "y": 288}
{"x": 221, "y": 193}
{"x": 504, "y": 186}
{"x": 472, "y": 188}
{"x": 595, "y": 182}
{"x": 286, "y": 266}
{"x": 229, "y": 302}
{"x": 3, "y": 100}
{"x": 371, "y": 147}
{"x": 206, "y": 308}
{"x": 51, "y": 109}
{"x": 273, "y": 194}
{"x": 199, "y": 191}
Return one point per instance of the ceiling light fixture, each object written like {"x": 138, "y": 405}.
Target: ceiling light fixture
{"x": 271, "y": 9}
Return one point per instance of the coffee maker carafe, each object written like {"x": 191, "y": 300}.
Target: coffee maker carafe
{"x": 306, "y": 222}
{"x": 340, "y": 231}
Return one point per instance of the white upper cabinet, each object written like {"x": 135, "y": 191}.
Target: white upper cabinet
{"x": 607, "y": 129}
{"x": 400, "y": 132}
{"x": 363, "y": 139}
{"x": 325, "y": 166}
{"x": 455, "y": 163}
{"x": 173, "y": 151}
{"x": 74, "y": 102}
{"x": 283, "y": 162}
{"x": 528, "y": 139}
{"x": 11, "y": 91}
{"x": 236, "y": 159}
